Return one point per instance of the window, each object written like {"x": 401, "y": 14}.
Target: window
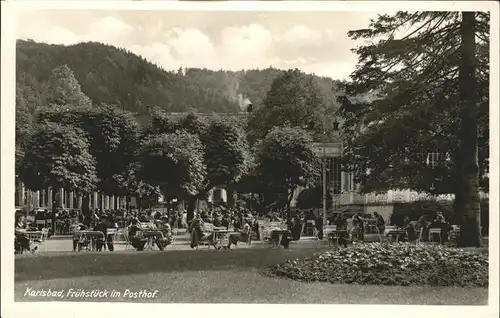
{"x": 347, "y": 181}
{"x": 333, "y": 175}
{"x": 433, "y": 159}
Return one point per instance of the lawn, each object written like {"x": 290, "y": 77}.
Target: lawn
{"x": 211, "y": 277}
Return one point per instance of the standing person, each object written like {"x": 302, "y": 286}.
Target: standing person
{"x": 236, "y": 223}
{"x": 341, "y": 223}
{"x": 226, "y": 221}
{"x": 296, "y": 228}
{"x": 196, "y": 230}
{"x": 101, "y": 226}
{"x": 256, "y": 228}
{"x": 380, "y": 225}
{"x": 440, "y": 222}
{"x": 77, "y": 235}
{"x": 360, "y": 227}
{"x": 104, "y": 224}
{"x": 423, "y": 224}
{"x": 410, "y": 231}
{"x": 319, "y": 226}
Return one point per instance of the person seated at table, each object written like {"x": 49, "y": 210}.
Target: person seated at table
{"x": 440, "y": 223}
{"x": 242, "y": 235}
{"x": 166, "y": 230}
{"x": 236, "y": 223}
{"x": 143, "y": 218}
{"x": 106, "y": 223}
{"x": 217, "y": 220}
{"x": 21, "y": 242}
{"x": 157, "y": 215}
{"x": 226, "y": 221}
{"x": 30, "y": 226}
{"x": 135, "y": 235}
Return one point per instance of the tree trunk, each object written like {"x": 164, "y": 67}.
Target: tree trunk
{"x": 101, "y": 201}
{"x": 191, "y": 204}
{"x": 139, "y": 204}
{"x": 86, "y": 205}
{"x": 288, "y": 204}
{"x": 127, "y": 203}
{"x": 230, "y": 197}
{"x": 469, "y": 202}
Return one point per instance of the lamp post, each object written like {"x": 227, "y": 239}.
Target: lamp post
{"x": 324, "y": 161}
{"x": 324, "y": 182}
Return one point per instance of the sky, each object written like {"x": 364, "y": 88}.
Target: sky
{"x": 315, "y": 42}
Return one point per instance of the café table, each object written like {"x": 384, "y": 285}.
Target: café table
{"x": 396, "y": 233}
{"x": 91, "y": 236}
{"x": 277, "y": 233}
{"x": 220, "y": 237}
{"x": 151, "y": 235}
{"x": 335, "y": 235}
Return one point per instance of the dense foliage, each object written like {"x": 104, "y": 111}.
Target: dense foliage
{"x": 286, "y": 160}
{"x": 295, "y": 99}
{"x": 113, "y": 136}
{"x": 430, "y": 73}
{"x": 58, "y": 156}
{"x": 174, "y": 163}
{"x": 416, "y": 111}
{"x": 390, "y": 264}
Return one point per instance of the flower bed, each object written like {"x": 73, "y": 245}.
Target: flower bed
{"x": 390, "y": 264}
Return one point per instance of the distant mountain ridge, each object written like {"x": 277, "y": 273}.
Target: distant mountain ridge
{"x": 112, "y": 75}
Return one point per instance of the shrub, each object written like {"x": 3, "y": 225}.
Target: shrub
{"x": 390, "y": 264}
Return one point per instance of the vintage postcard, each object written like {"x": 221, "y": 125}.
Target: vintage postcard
{"x": 249, "y": 158}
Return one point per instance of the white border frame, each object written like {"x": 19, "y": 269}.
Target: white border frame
{"x": 77, "y": 309}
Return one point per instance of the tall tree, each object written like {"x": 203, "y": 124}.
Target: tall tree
{"x": 28, "y": 97}
{"x": 57, "y": 156}
{"x": 468, "y": 169}
{"x": 294, "y": 100}
{"x": 174, "y": 163}
{"x": 225, "y": 153}
{"x": 286, "y": 161}
{"x": 407, "y": 124}
{"x": 64, "y": 89}
{"x": 113, "y": 135}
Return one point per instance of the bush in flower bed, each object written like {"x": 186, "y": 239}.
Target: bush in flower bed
{"x": 390, "y": 264}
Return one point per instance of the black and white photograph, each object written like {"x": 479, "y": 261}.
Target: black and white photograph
{"x": 336, "y": 154}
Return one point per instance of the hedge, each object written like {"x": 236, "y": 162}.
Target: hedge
{"x": 390, "y": 264}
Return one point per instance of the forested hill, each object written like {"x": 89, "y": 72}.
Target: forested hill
{"x": 116, "y": 76}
